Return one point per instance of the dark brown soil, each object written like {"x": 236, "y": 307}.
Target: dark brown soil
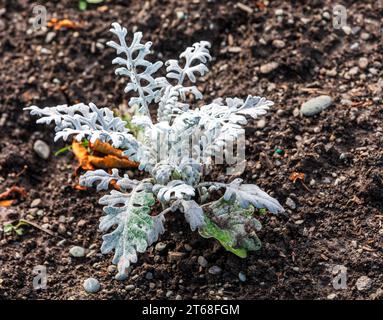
{"x": 338, "y": 218}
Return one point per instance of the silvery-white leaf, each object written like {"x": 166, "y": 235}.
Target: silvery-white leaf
{"x": 195, "y": 59}
{"x": 193, "y": 214}
{"x": 255, "y": 106}
{"x": 175, "y": 189}
{"x": 247, "y": 194}
{"x": 135, "y": 230}
{"x": 102, "y": 179}
{"x": 134, "y": 58}
{"x": 85, "y": 122}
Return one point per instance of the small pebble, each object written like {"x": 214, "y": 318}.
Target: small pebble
{"x": 36, "y": 203}
{"x": 180, "y": 15}
{"x": 316, "y": 105}
{"x": 353, "y": 71}
{"x": 160, "y": 246}
{"x": 91, "y": 285}
{"x": 331, "y": 296}
{"x": 41, "y": 149}
{"x": 363, "y": 283}
{"x": 188, "y": 247}
{"x": 365, "y": 36}
{"x": 261, "y": 123}
{"x": 149, "y": 276}
{"x": 130, "y": 287}
{"x": 215, "y": 270}
{"x": 347, "y": 30}
{"x": 279, "y": 44}
{"x": 363, "y": 63}
{"x": 291, "y": 204}
{"x": 242, "y": 276}
{"x": 112, "y": 269}
{"x": 50, "y": 36}
{"x": 326, "y": 15}
{"x": 354, "y": 46}
{"x": 269, "y": 67}
{"x": 202, "y": 262}
{"x": 326, "y": 180}
{"x": 77, "y": 252}
{"x": 45, "y": 51}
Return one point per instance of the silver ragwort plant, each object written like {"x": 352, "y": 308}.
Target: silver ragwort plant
{"x": 175, "y": 177}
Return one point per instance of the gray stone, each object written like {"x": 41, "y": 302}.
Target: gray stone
{"x": 160, "y": 246}
{"x": 41, "y": 149}
{"x": 202, "y": 262}
{"x": 331, "y": 296}
{"x": 269, "y": 67}
{"x": 242, "y": 276}
{"x": 291, "y": 204}
{"x": 188, "y": 247}
{"x": 112, "y": 269}
{"x": 50, "y": 36}
{"x": 91, "y": 285}
{"x": 36, "y": 203}
{"x": 77, "y": 252}
{"x": 365, "y": 36}
{"x": 363, "y": 63}
{"x": 355, "y": 46}
{"x": 261, "y": 123}
{"x": 280, "y": 44}
{"x": 363, "y": 283}
{"x": 130, "y": 287}
{"x": 215, "y": 270}
{"x": 347, "y": 30}
{"x": 149, "y": 276}
{"x": 353, "y": 71}
{"x": 316, "y": 105}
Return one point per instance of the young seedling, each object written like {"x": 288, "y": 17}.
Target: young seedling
{"x": 83, "y": 4}
{"x": 175, "y": 177}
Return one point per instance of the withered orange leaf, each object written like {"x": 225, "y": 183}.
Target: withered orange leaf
{"x": 105, "y": 148}
{"x": 297, "y": 176}
{"x": 13, "y": 192}
{"x": 6, "y": 203}
{"x": 113, "y": 158}
{"x": 81, "y": 155}
{"x": 79, "y": 187}
{"x": 111, "y": 161}
{"x": 59, "y": 24}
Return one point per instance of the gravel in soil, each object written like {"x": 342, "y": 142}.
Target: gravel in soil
{"x": 287, "y": 51}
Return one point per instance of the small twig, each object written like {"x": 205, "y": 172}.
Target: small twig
{"x": 306, "y": 187}
{"x": 22, "y": 171}
{"x": 38, "y": 227}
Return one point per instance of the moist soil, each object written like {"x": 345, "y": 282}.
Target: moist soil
{"x": 335, "y": 217}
